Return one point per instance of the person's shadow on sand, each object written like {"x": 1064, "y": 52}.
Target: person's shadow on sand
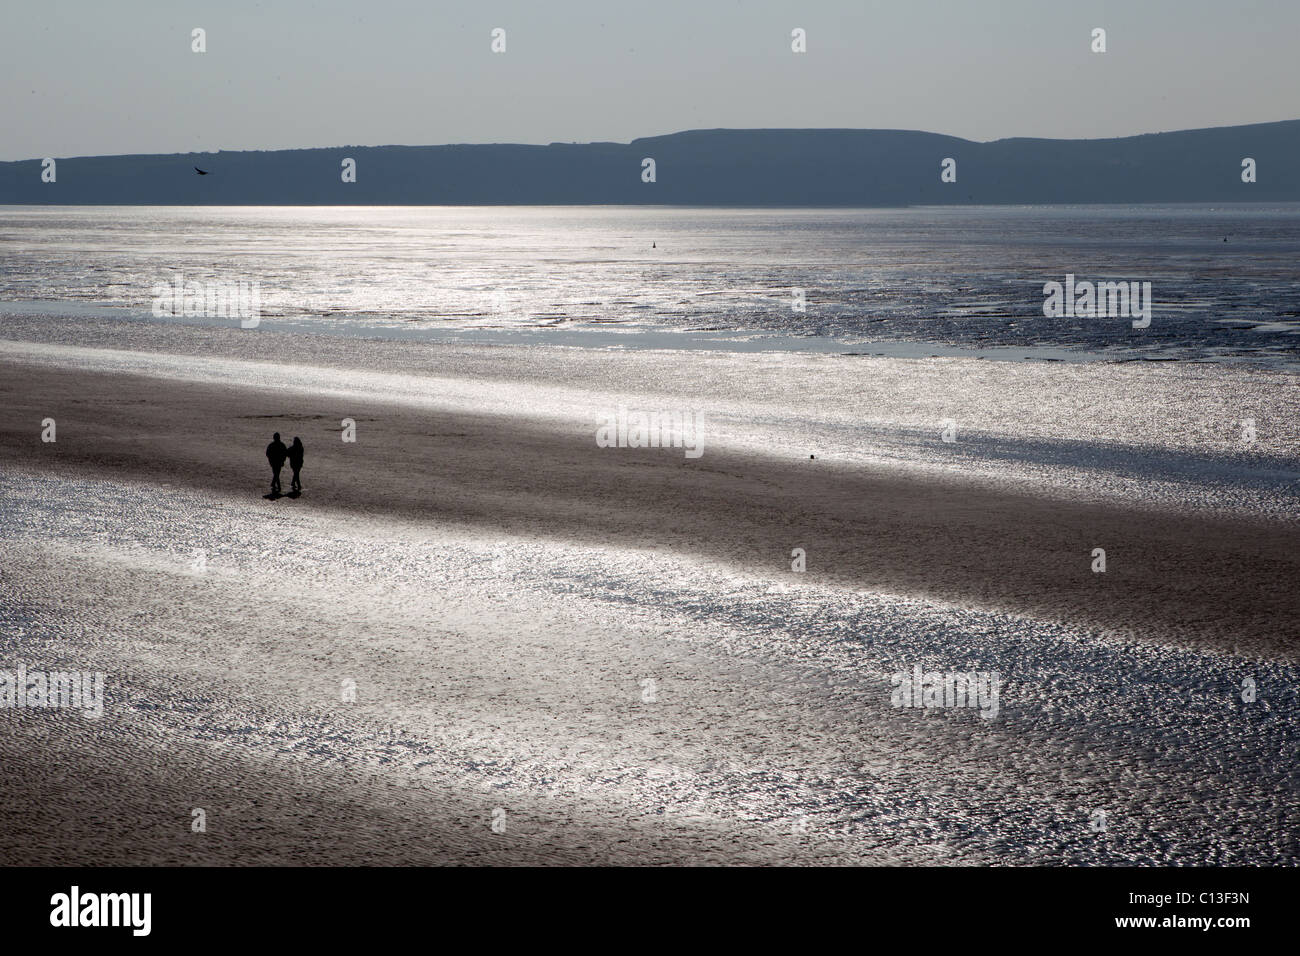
{"x": 277, "y": 495}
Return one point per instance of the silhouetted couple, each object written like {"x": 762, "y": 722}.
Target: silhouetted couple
{"x": 276, "y": 453}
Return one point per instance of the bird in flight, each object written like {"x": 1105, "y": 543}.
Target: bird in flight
{"x": 201, "y": 172}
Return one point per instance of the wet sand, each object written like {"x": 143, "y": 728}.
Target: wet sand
{"x": 1186, "y": 579}
{"x": 505, "y": 587}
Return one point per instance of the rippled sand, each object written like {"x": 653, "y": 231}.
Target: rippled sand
{"x": 501, "y": 591}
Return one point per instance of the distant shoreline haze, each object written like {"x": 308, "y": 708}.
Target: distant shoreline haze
{"x": 1255, "y": 163}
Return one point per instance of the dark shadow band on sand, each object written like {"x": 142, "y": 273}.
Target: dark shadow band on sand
{"x": 1183, "y": 579}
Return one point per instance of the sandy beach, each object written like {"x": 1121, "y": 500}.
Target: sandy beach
{"x": 570, "y": 654}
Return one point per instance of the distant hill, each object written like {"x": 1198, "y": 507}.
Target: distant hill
{"x": 779, "y": 167}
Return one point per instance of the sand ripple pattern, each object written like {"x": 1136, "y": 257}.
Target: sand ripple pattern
{"x": 509, "y": 673}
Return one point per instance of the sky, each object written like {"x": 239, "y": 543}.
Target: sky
{"x": 94, "y": 77}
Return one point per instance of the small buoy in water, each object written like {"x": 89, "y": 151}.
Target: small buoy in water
{"x": 652, "y": 245}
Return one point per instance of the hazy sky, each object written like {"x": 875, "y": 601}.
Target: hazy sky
{"x": 83, "y": 78}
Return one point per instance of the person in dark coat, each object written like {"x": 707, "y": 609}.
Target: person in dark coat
{"x": 276, "y": 453}
{"x": 295, "y": 462}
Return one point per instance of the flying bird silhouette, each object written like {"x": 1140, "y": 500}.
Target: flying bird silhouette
{"x": 201, "y": 172}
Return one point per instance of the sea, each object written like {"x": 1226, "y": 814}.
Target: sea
{"x": 1224, "y": 279}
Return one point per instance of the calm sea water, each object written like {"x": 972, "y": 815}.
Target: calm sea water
{"x": 968, "y": 277}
